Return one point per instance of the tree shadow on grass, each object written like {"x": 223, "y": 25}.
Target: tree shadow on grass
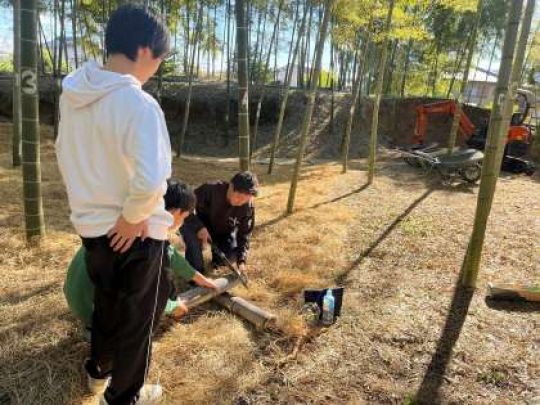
{"x": 341, "y": 279}
{"x": 17, "y": 298}
{"x": 428, "y": 392}
{"x": 51, "y": 375}
{"x": 341, "y": 197}
{"x": 282, "y": 216}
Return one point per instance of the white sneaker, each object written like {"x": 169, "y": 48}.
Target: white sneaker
{"x": 150, "y": 394}
{"x": 95, "y": 385}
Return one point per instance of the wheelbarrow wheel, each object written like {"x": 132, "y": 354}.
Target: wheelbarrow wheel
{"x": 472, "y": 173}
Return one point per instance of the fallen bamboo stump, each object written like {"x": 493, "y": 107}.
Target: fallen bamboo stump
{"x": 199, "y": 295}
{"x": 514, "y": 292}
{"x": 239, "y": 306}
{"x": 247, "y": 310}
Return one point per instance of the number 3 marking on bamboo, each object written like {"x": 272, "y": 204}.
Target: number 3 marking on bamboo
{"x": 28, "y": 82}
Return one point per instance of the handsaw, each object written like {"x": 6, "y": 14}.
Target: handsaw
{"x": 243, "y": 278}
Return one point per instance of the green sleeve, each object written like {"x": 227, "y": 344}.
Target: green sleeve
{"x": 179, "y": 265}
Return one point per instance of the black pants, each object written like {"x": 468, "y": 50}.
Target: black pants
{"x": 125, "y": 306}
{"x": 194, "y": 256}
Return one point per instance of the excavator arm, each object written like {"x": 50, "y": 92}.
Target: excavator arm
{"x": 466, "y": 127}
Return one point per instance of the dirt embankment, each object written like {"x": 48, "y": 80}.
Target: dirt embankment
{"x": 207, "y": 133}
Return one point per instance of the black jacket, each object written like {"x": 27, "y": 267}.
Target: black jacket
{"x": 214, "y": 212}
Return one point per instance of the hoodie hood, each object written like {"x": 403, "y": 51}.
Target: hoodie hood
{"x": 91, "y": 82}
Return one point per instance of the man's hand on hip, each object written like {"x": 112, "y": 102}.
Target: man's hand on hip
{"x": 123, "y": 234}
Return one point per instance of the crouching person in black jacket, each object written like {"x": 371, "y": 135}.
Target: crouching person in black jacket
{"x": 225, "y": 217}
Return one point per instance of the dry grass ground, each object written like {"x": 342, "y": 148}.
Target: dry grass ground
{"x": 397, "y": 247}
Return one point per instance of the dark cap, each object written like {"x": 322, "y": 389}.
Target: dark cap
{"x": 246, "y": 183}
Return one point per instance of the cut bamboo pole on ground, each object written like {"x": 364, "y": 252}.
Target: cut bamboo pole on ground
{"x": 378, "y": 91}
{"x": 498, "y": 127}
{"x": 247, "y": 310}
{"x": 514, "y": 292}
{"x": 199, "y": 295}
{"x": 239, "y": 306}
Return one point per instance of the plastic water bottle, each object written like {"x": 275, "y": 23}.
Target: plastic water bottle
{"x": 328, "y": 308}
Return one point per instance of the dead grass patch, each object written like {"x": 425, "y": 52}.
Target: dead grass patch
{"x": 399, "y": 267}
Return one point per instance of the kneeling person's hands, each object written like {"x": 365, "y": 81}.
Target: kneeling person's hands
{"x": 205, "y": 282}
{"x": 180, "y": 310}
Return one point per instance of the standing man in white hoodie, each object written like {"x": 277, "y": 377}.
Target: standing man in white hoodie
{"x": 114, "y": 154}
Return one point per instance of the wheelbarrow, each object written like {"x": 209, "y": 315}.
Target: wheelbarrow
{"x": 410, "y": 157}
{"x": 465, "y": 164}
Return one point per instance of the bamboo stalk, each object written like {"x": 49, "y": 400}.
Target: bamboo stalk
{"x": 491, "y": 57}
{"x": 498, "y": 127}
{"x": 378, "y": 91}
{"x": 33, "y": 207}
{"x": 228, "y": 106}
{"x": 243, "y": 86}
{"x": 460, "y": 55}
{"x": 331, "y": 80}
{"x": 17, "y": 129}
{"x": 310, "y": 105}
{"x": 185, "y": 119}
{"x": 263, "y": 79}
{"x": 457, "y": 114}
{"x": 352, "y": 109}
{"x": 286, "y": 90}
{"x": 74, "y": 9}
{"x": 405, "y": 69}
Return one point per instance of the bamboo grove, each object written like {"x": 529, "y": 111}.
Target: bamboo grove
{"x": 428, "y": 41}
{"x": 367, "y": 48}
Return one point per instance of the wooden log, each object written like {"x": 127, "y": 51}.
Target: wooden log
{"x": 199, "y": 295}
{"x": 247, "y": 310}
{"x": 514, "y": 292}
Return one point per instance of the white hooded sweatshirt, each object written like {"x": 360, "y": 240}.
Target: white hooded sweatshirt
{"x": 114, "y": 152}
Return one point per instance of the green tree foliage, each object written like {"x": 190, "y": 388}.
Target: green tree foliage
{"x": 426, "y": 49}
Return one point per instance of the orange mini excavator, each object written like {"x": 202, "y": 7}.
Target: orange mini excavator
{"x": 518, "y": 140}
{"x": 448, "y": 107}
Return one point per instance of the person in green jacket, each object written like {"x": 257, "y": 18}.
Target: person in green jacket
{"x": 79, "y": 289}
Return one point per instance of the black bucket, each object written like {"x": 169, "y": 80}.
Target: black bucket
{"x": 317, "y": 296}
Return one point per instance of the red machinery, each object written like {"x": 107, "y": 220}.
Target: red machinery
{"x": 466, "y": 127}
{"x": 516, "y": 133}
{"x": 519, "y": 135}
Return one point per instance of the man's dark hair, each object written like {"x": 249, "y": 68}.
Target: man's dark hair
{"x": 130, "y": 28}
{"x": 179, "y": 196}
{"x": 245, "y": 182}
